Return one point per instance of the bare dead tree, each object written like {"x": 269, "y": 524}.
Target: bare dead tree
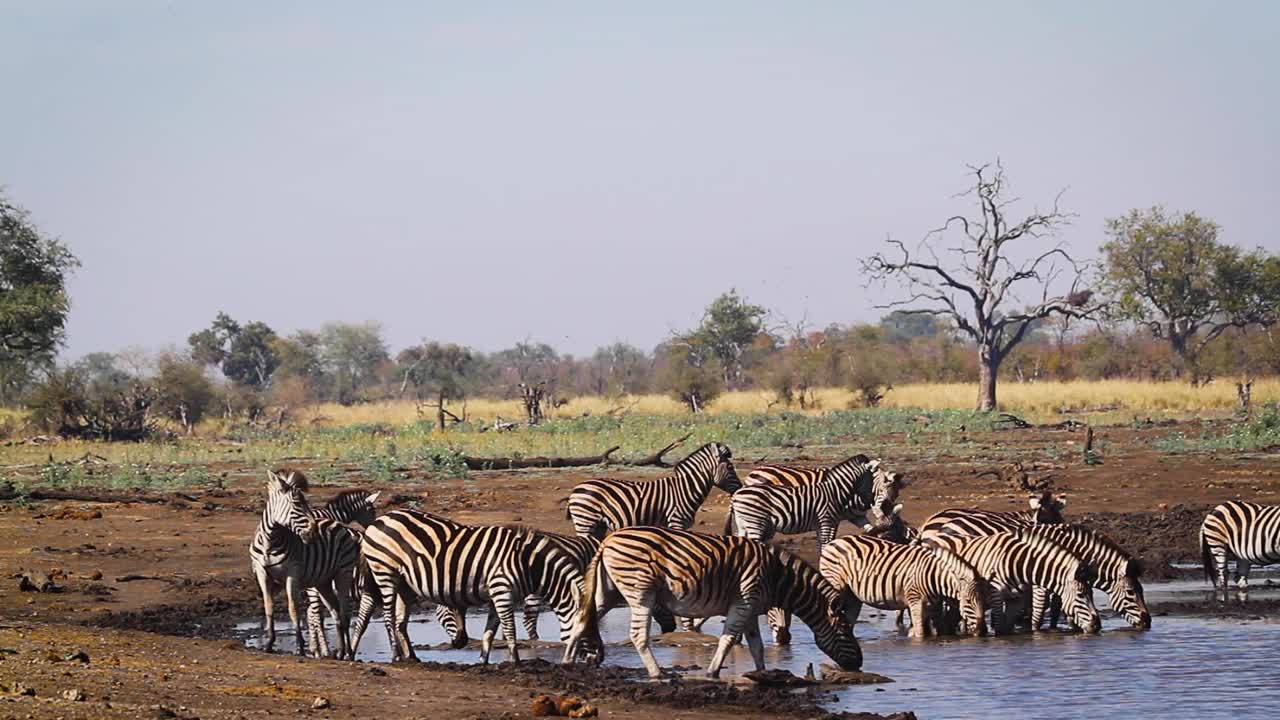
{"x": 975, "y": 289}
{"x": 533, "y": 396}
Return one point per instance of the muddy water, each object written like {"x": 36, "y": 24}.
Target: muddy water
{"x": 1185, "y": 667}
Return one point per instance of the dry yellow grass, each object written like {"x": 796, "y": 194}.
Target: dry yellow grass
{"x": 1039, "y": 399}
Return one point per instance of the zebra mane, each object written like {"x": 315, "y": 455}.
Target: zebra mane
{"x": 859, "y": 468}
{"x": 356, "y": 495}
{"x": 719, "y": 449}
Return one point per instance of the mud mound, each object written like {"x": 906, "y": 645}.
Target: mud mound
{"x": 1159, "y": 538}
{"x": 620, "y": 682}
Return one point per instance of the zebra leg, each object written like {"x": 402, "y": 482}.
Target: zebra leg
{"x": 396, "y": 620}
{"x": 900, "y": 621}
{"x": 916, "y": 604}
{"x": 294, "y": 594}
{"x": 268, "y": 608}
{"x": 491, "y": 625}
{"x": 735, "y": 626}
{"x": 317, "y": 602}
{"x": 454, "y": 623}
{"x": 1242, "y": 579}
{"x": 342, "y": 588}
{"x": 755, "y": 644}
{"x": 532, "y": 606}
{"x": 368, "y": 601}
{"x": 667, "y": 621}
{"x": 780, "y": 625}
{"x": 1039, "y": 599}
{"x": 640, "y": 614}
{"x": 1055, "y": 611}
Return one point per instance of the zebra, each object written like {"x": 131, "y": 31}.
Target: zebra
{"x": 1014, "y": 561}
{"x": 698, "y": 575}
{"x": 893, "y": 576}
{"x": 292, "y": 548}
{"x": 349, "y": 507}
{"x": 1119, "y": 574}
{"x": 452, "y": 621}
{"x": 599, "y": 506}
{"x": 582, "y": 548}
{"x": 942, "y": 527}
{"x": 762, "y": 511}
{"x": 882, "y": 492}
{"x": 410, "y": 553}
{"x": 1246, "y": 532}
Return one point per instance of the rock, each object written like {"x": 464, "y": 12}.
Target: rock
{"x": 95, "y": 575}
{"x": 777, "y": 678}
{"x": 37, "y": 581}
{"x": 377, "y": 672}
{"x": 835, "y": 676}
{"x": 20, "y": 689}
{"x": 74, "y": 694}
{"x": 320, "y": 703}
{"x": 543, "y": 705}
{"x": 78, "y": 655}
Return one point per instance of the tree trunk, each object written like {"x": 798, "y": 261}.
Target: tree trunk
{"x": 988, "y": 367}
{"x": 1178, "y": 344}
{"x": 440, "y": 409}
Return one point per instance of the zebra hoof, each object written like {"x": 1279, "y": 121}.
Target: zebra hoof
{"x": 782, "y": 636}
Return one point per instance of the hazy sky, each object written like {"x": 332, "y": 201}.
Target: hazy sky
{"x": 580, "y": 173}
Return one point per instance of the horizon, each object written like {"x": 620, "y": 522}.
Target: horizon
{"x": 579, "y": 175}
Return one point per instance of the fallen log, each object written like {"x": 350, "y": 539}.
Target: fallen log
{"x": 655, "y": 460}
{"x": 90, "y": 495}
{"x": 511, "y": 463}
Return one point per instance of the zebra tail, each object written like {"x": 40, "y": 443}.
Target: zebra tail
{"x": 1206, "y": 557}
{"x": 588, "y": 615}
{"x": 728, "y": 522}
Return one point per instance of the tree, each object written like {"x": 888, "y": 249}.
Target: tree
{"x": 981, "y": 277}
{"x": 183, "y": 393}
{"x": 33, "y": 293}
{"x": 902, "y": 326}
{"x": 246, "y": 353}
{"x": 439, "y": 370}
{"x": 619, "y": 369}
{"x": 1170, "y": 273}
{"x": 352, "y": 355}
{"x": 729, "y": 325}
{"x": 690, "y": 372}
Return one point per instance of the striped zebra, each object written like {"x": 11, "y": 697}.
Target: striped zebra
{"x": 1119, "y": 574}
{"x": 294, "y": 549}
{"x": 349, "y": 507}
{"x": 582, "y": 548}
{"x": 893, "y": 576}
{"x": 698, "y": 575}
{"x": 415, "y": 554}
{"x": 452, "y": 621}
{"x": 882, "y": 492}
{"x": 599, "y": 506}
{"x": 1013, "y": 562}
{"x": 1246, "y": 532}
{"x": 942, "y": 528}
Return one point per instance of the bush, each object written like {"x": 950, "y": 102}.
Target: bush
{"x": 68, "y": 405}
{"x": 184, "y": 393}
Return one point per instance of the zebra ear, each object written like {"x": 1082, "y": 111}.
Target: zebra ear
{"x": 276, "y": 483}
{"x": 900, "y": 480}
{"x": 867, "y": 528}
{"x": 1034, "y": 503}
{"x": 1061, "y": 500}
{"x": 373, "y": 497}
{"x": 298, "y": 481}
{"x": 897, "y": 509}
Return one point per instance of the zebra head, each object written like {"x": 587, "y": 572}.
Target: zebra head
{"x": 1127, "y": 597}
{"x": 715, "y": 460}
{"x": 1047, "y": 508}
{"x": 886, "y": 522}
{"x": 885, "y": 485}
{"x": 1077, "y": 601}
{"x": 286, "y": 502}
{"x": 972, "y": 591}
{"x": 353, "y": 506}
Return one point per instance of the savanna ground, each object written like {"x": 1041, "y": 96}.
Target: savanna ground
{"x": 149, "y": 541}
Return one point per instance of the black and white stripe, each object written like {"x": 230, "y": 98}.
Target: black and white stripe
{"x": 352, "y": 507}
{"x": 1119, "y": 573}
{"x": 697, "y": 575}
{"x": 893, "y": 576}
{"x": 599, "y": 506}
{"x": 1013, "y": 562}
{"x": 761, "y": 511}
{"x": 942, "y": 527}
{"x": 1246, "y": 532}
{"x": 294, "y": 549}
{"x": 883, "y": 491}
{"x": 415, "y": 554}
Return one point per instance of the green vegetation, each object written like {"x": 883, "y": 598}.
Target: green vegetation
{"x": 1260, "y": 431}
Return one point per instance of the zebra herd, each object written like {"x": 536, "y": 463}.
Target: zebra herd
{"x": 632, "y": 545}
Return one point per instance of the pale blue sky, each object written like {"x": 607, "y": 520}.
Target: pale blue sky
{"x": 584, "y": 172}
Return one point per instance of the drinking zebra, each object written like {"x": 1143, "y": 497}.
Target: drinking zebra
{"x": 892, "y": 576}
{"x": 1119, "y": 574}
{"x": 697, "y": 575}
{"x": 294, "y": 549}
{"x": 1013, "y": 562}
{"x": 599, "y": 506}
{"x": 415, "y": 554}
{"x": 1246, "y": 532}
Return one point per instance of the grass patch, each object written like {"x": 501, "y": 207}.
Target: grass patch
{"x": 1258, "y": 432}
